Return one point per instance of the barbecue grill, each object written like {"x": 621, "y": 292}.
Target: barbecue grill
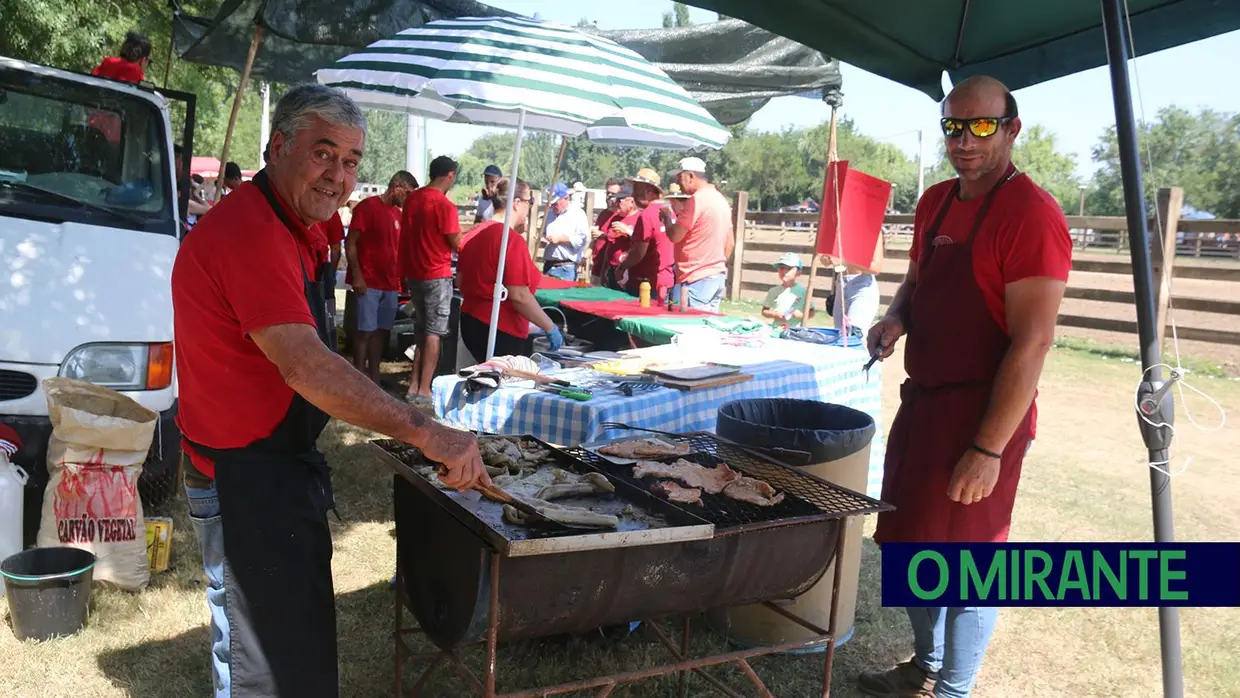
{"x": 664, "y": 559}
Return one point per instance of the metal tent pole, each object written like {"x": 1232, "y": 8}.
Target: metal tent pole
{"x": 500, "y": 293}
{"x": 1154, "y": 397}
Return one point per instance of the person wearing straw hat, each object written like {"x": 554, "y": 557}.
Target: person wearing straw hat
{"x": 258, "y": 385}
{"x": 566, "y": 236}
{"x": 783, "y": 302}
{"x": 650, "y": 257}
{"x": 702, "y": 236}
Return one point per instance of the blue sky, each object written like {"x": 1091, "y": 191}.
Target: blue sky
{"x": 1076, "y": 108}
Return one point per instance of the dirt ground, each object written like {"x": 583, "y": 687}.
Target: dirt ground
{"x": 1083, "y": 480}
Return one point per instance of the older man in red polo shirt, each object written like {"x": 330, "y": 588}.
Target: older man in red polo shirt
{"x": 986, "y": 276}
{"x": 257, "y": 386}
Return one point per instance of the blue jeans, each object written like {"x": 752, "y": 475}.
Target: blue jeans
{"x": 704, "y": 294}
{"x": 204, "y": 514}
{"x": 567, "y": 272}
{"x": 952, "y": 641}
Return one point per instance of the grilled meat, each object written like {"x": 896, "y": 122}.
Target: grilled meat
{"x": 590, "y": 483}
{"x": 644, "y": 448}
{"x": 710, "y": 480}
{"x": 678, "y": 493}
{"x": 747, "y": 489}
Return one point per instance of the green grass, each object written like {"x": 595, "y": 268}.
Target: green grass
{"x": 1083, "y": 480}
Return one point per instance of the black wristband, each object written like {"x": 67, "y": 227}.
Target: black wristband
{"x": 985, "y": 452}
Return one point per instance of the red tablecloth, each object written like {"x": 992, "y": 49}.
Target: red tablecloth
{"x": 552, "y": 283}
{"x": 617, "y": 309}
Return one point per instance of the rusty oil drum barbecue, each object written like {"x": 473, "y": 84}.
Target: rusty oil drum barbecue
{"x": 676, "y": 560}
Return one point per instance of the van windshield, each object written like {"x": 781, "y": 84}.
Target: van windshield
{"x": 79, "y": 152}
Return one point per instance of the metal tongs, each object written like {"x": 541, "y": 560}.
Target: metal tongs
{"x": 499, "y": 496}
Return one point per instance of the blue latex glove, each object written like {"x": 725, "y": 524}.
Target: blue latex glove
{"x": 554, "y": 339}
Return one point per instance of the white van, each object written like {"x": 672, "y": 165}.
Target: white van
{"x": 89, "y": 227}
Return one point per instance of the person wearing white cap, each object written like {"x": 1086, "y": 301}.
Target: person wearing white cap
{"x": 703, "y": 238}
{"x": 566, "y": 236}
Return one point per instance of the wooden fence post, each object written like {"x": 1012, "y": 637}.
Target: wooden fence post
{"x": 740, "y": 206}
{"x": 1170, "y": 201}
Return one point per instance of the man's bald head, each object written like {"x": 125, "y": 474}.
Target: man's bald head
{"x": 980, "y": 160}
{"x": 983, "y": 88}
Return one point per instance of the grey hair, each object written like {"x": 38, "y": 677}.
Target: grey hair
{"x": 303, "y": 102}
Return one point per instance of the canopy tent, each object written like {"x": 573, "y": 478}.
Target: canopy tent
{"x": 730, "y": 67}
{"x": 1021, "y": 44}
{"x": 209, "y": 167}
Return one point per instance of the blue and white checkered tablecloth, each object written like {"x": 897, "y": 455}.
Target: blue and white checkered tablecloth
{"x": 780, "y": 368}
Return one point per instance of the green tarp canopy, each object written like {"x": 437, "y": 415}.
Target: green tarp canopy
{"x": 1020, "y": 43}
{"x": 731, "y": 67}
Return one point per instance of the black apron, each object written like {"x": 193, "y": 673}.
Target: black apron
{"x": 274, "y": 495}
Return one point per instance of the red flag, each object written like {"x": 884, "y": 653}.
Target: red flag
{"x": 862, "y": 210}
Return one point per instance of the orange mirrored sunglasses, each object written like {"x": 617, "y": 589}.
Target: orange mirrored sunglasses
{"x": 981, "y": 127}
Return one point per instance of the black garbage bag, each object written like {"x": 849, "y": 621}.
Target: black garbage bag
{"x": 787, "y": 428}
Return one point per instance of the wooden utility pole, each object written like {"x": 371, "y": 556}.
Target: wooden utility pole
{"x": 232, "y": 119}
{"x": 830, "y": 200}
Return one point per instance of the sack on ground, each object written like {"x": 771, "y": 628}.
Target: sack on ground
{"x": 100, "y": 440}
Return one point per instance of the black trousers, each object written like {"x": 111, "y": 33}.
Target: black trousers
{"x": 474, "y": 335}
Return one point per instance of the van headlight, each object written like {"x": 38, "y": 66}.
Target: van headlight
{"x": 121, "y": 366}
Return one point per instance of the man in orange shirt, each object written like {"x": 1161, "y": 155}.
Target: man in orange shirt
{"x": 430, "y": 234}
{"x": 703, "y": 238}
{"x": 374, "y": 275}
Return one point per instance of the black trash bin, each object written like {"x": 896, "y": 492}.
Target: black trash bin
{"x": 837, "y": 440}
{"x": 48, "y": 591}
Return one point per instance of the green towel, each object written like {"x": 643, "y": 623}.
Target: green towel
{"x": 589, "y": 293}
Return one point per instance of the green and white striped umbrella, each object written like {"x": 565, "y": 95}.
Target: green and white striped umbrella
{"x": 487, "y": 70}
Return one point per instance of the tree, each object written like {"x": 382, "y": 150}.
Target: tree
{"x": 387, "y": 134}
{"x": 681, "y": 11}
{"x": 1199, "y": 152}
{"x": 669, "y": 20}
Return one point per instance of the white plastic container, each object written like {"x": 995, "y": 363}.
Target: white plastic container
{"x": 12, "y": 488}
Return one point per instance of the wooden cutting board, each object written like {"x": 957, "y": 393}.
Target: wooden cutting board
{"x": 690, "y": 386}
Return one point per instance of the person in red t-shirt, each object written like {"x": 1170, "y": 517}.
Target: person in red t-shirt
{"x": 651, "y": 254}
{"x": 615, "y": 242}
{"x": 373, "y": 272}
{"x": 478, "y": 266}
{"x": 129, "y": 66}
{"x": 985, "y": 281}
{"x": 257, "y": 384}
{"x": 431, "y": 233}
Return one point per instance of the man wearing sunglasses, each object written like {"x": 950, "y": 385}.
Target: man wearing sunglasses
{"x": 987, "y": 272}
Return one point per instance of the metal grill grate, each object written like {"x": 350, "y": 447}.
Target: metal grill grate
{"x": 806, "y": 496}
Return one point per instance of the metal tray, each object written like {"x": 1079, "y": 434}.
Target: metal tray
{"x": 645, "y": 519}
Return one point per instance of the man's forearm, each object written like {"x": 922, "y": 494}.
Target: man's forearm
{"x": 331, "y": 384}
{"x": 529, "y": 308}
{"x": 1015, "y": 385}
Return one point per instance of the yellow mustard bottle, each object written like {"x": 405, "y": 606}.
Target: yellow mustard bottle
{"x": 645, "y": 294}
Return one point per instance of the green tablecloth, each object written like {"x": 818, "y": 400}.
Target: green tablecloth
{"x": 589, "y": 293}
{"x": 660, "y": 330}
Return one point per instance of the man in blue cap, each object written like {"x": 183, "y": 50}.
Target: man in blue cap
{"x": 566, "y": 236}
{"x": 485, "y": 205}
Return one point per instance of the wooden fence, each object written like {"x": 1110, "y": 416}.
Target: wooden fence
{"x": 1204, "y": 280}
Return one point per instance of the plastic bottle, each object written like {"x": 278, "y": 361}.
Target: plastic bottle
{"x": 12, "y": 487}
{"x": 645, "y": 294}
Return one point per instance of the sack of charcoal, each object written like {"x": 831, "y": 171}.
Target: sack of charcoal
{"x": 100, "y": 439}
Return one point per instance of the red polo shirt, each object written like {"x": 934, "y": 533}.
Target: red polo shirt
{"x": 377, "y": 227}
{"x": 478, "y": 264}
{"x": 656, "y": 265}
{"x": 118, "y": 68}
{"x": 235, "y": 273}
{"x": 428, "y": 220}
